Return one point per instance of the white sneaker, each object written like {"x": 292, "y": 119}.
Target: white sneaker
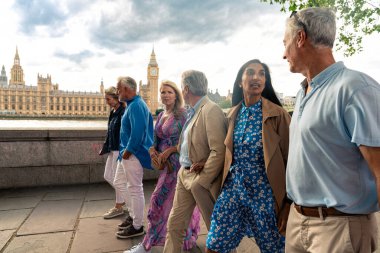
{"x": 125, "y": 208}
{"x": 139, "y": 248}
{"x": 113, "y": 212}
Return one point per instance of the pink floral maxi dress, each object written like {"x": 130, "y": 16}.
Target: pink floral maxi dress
{"x": 166, "y": 135}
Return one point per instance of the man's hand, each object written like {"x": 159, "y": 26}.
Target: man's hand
{"x": 126, "y": 155}
{"x": 197, "y": 167}
{"x": 283, "y": 218}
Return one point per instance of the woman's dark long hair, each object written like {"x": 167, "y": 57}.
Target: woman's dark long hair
{"x": 268, "y": 92}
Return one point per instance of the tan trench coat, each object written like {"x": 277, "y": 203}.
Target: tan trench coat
{"x": 275, "y": 145}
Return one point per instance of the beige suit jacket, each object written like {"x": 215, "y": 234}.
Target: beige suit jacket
{"x": 206, "y": 136}
{"x": 275, "y": 145}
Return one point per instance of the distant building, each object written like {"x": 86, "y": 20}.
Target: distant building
{"x": 3, "y": 78}
{"x": 223, "y": 101}
{"x": 216, "y": 97}
{"x": 280, "y": 97}
{"x": 45, "y": 98}
{"x": 17, "y": 74}
{"x": 229, "y": 96}
{"x": 289, "y": 101}
{"x": 16, "y": 98}
{"x": 149, "y": 91}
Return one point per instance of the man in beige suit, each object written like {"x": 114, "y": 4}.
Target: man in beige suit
{"x": 202, "y": 151}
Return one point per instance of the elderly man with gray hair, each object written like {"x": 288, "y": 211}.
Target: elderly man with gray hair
{"x": 136, "y": 137}
{"x": 201, "y": 148}
{"x": 333, "y": 170}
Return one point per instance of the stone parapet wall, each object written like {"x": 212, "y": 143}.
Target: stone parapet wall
{"x": 31, "y": 158}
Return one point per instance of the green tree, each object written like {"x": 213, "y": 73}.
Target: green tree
{"x": 158, "y": 111}
{"x": 224, "y": 104}
{"x": 356, "y": 18}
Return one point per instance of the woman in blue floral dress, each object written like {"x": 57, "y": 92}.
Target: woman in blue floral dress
{"x": 253, "y": 201}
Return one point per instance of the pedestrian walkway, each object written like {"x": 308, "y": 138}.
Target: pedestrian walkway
{"x": 68, "y": 219}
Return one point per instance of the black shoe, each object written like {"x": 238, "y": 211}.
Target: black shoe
{"x": 128, "y": 221}
{"x": 130, "y": 232}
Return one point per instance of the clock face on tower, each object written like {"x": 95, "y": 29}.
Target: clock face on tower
{"x": 153, "y": 71}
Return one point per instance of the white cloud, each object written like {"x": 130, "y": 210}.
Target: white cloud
{"x": 89, "y": 40}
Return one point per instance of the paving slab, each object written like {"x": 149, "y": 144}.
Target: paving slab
{"x": 96, "y": 208}
{"x": 160, "y": 249}
{"x": 100, "y": 192}
{"x": 19, "y": 203}
{"x": 69, "y": 188}
{"x": 157, "y": 249}
{"x": 248, "y": 245}
{"x": 52, "y": 216}
{"x": 78, "y": 194}
{"x": 4, "y": 237}
{"x": 27, "y": 192}
{"x": 149, "y": 187}
{"x": 42, "y": 243}
{"x": 13, "y": 219}
{"x": 101, "y": 234}
{"x": 92, "y": 231}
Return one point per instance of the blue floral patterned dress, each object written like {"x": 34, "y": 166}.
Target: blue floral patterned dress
{"x": 246, "y": 205}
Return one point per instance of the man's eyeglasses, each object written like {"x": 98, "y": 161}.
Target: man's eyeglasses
{"x": 299, "y": 22}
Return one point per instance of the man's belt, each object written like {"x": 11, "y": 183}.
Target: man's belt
{"x": 319, "y": 211}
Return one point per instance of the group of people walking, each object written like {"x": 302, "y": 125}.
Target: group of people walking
{"x": 313, "y": 179}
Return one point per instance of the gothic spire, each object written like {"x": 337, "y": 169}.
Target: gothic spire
{"x": 153, "y": 62}
{"x": 17, "y": 58}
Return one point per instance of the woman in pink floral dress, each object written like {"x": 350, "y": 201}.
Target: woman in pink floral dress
{"x": 164, "y": 151}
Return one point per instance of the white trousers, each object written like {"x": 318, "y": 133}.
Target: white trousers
{"x": 109, "y": 174}
{"x": 128, "y": 180}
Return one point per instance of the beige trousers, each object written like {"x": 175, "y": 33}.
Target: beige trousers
{"x": 187, "y": 195}
{"x": 339, "y": 234}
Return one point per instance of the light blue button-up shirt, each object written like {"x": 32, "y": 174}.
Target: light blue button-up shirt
{"x": 325, "y": 166}
{"x": 184, "y": 159}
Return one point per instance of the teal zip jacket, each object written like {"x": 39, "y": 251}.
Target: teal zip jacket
{"x": 136, "y": 132}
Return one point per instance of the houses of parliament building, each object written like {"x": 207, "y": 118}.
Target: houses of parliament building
{"x": 46, "y": 99}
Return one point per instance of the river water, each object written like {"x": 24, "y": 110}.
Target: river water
{"x": 37, "y": 124}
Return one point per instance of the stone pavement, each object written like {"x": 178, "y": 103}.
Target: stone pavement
{"x": 68, "y": 219}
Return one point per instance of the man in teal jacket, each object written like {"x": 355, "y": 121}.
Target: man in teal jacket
{"x": 136, "y": 137}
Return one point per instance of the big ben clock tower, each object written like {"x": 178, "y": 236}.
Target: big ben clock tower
{"x": 153, "y": 72}
{"x": 17, "y": 74}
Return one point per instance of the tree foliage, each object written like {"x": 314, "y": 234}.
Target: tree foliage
{"x": 158, "y": 111}
{"x": 356, "y": 18}
{"x": 225, "y": 104}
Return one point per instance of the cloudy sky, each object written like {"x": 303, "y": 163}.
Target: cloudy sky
{"x": 79, "y": 42}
